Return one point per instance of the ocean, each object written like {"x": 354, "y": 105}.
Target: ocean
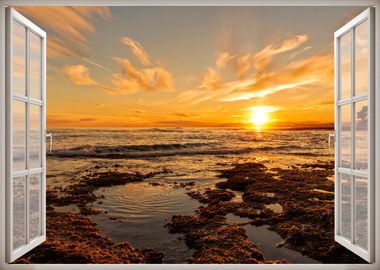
{"x": 140, "y": 210}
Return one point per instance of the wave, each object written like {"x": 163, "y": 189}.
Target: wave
{"x": 162, "y": 150}
{"x": 95, "y": 153}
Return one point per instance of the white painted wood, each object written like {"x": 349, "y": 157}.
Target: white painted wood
{"x": 11, "y": 253}
{"x": 369, "y": 254}
{"x": 190, "y": 2}
{"x": 327, "y": 3}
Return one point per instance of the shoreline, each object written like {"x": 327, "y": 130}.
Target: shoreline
{"x": 73, "y": 238}
{"x": 282, "y": 199}
{"x": 297, "y": 203}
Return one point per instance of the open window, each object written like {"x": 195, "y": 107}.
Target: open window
{"x": 25, "y": 126}
{"x": 354, "y": 132}
{"x": 26, "y": 133}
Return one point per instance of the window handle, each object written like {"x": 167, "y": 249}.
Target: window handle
{"x": 331, "y": 135}
{"x": 50, "y": 137}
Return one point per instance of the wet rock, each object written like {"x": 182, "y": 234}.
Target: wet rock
{"x": 72, "y": 239}
{"x": 226, "y": 244}
{"x": 155, "y": 184}
{"x": 184, "y": 184}
{"x": 215, "y": 241}
{"x": 244, "y": 175}
{"x": 152, "y": 257}
{"x": 306, "y": 197}
{"x": 212, "y": 196}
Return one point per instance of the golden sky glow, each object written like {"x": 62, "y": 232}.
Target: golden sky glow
{"x": 190, "y": 66}
{"x": 261, "y": 115}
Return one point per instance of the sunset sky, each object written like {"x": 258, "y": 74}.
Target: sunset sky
{"x": 189, "y": 66}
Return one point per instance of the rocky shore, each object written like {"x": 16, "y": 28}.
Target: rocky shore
{"x": 74, "y": 238}
{"x": 297, "y": 203}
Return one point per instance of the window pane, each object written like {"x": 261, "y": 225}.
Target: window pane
{"x": 35, "y": 65}
{"x": 361, "y": 204}
{"x": 18, "y": 58}
{"x": 345, "y": 65}
{"x": 345, "y": 136}
{"x": 361, "y": 59}
{"x": 19, "y": 224}
{"x": 19, "y": 145}
{"x": 361, "y": 135}
{"x": 35, "y": 137}
{"x": 35, "y": 209}
{"x": 345, "y": 222}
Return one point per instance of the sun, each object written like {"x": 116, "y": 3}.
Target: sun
{"x": 259, "y": 115}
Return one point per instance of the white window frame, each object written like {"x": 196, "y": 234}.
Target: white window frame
{"x": 12, "y": 254}
{"x": 352, "y": 100}
{"x": 4, "y": 3}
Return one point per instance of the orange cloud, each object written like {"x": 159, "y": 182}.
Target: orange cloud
{"x": 132, "y": 79}
{"x": 222, "y": 59}
{"x": 261, "y": 83}
{"x": 211, "y": 80}
{"x": 300, "y": 51}
{"x": 243, "y": 65}
{"x": 263, "y": 58}
{"x": 148, "y": 78}
{"x": 79, "y": 75}
{"x": 316, "y": 71}
{"x": 67, "y": 27}
{"x": 137, "y": 50}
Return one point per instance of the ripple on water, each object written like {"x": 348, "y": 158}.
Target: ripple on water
{"x": 141, "y": 210}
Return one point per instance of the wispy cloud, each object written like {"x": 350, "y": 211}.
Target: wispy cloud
{"x": 137, "y": 50}
{"x": 243, "y": 65}
{"x": 263, "y": 58}
{"x": 256, "y": 79}
{"x": 96, "y": 64}
{"x": 222, "y": 59}
{"x": 79, "y": 75}
{"x": 300, "y": 52}
{"x": 130, "y": 79}
{"x": 68, "y": 27}
{"x": 263, "y": 108}
{"x": 263, "y": 92}
{"x": 211, "y": 80}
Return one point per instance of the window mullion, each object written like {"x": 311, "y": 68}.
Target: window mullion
{"x": 27, "y": 133}
{"x": 353, "y": 160}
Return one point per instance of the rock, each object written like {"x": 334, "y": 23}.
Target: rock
{"x": 212, "y": 196}
{"x": 72, "y": 239}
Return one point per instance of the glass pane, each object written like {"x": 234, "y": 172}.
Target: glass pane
{"x": 19, "y": 144}
{"x": 361, "y": 135}
{"x": 35, "y": 208}
{"x": 345, "y": 136}
{"x": 361, "y": 203}
{"x": 18, "y": 58}
{"x": 35, "y": 65}
{"x": 361, "y": 59}
{"x": 35, "y": 137}
{"x": 345, "y": 65}
{"x": 19, "y": 224}
{"x": 345, "y": 222}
